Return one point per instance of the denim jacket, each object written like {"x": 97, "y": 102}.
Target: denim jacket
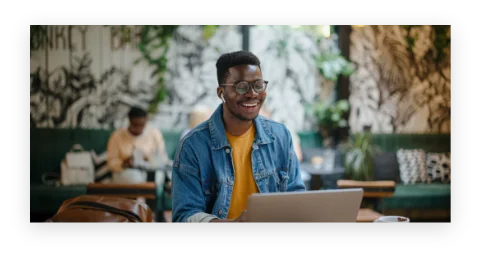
{"x": 203, "y": 171}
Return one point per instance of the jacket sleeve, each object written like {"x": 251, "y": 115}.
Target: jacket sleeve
{"x": 295, "y": 182}
{"x": 188, "y": 202}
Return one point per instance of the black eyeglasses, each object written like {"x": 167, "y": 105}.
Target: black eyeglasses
{"x": 243, "y": 87}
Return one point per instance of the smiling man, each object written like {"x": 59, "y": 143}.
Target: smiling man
{"x": 235, "y": 153}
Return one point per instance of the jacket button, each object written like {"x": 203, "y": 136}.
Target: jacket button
{"x": 227, "y": 150}
{"x": 220, "y": 212}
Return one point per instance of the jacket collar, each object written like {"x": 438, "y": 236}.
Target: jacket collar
{"x": 217, "y": 131}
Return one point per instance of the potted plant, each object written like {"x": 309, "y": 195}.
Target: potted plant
{"x": 359, "y": 154}
{"x": 330, "y": 117}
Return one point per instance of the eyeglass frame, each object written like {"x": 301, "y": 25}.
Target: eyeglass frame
{"x": 250, "y": 84}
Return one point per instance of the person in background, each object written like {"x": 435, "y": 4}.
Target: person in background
{"x": 128, "y": 147}
{"x": 234, "y": 154}
{"x": 199, "y": 114}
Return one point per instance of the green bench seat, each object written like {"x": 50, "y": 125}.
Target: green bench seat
{"x": 420, "y": 196}
{"x": 48, "y": 147}
{"x": 424, "y": 201}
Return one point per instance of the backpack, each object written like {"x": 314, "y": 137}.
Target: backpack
{"x": 90, "y": 208}
{"x": 77, "y": 167}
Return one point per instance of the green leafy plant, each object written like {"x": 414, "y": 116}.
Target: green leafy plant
{"x": 209, "y": 31}
{"x": 330, "y": 62}
{"x": 331, "y": 115}
{"x": 359, "y": 157}
{"x": 154, "y": 44}
{"x": 332, "y": 65}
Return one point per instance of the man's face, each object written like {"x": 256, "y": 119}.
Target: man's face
{"x": 245, "y": 107}
{"x": 137, "y": 125}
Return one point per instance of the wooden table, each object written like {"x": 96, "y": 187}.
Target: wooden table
{"x": 372, "y": 189}
{"x": 374, "y": 192}
{"x": 367, "y": 215}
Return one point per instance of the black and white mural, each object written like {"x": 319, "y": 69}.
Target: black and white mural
{"x": 88, "y": 77}
{"x": 83, "y": 76}
{"x": 403, "y": 79}
{"x": 286, "y": 61}
{"x": 191, "y": 73}
{"x": 75, "y": 98}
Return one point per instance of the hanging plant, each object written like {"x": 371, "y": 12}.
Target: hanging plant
{"x": 209, "y": 31}
{"x": 154, "y": 44}
{"x": 331, "y": 66}
{"x": 330, "y": 62}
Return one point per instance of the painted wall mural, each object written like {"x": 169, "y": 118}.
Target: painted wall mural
{"x": 285, "y": 60}
{"x": 287, "y": 63}
{"x": 403, "y": 79}
{"x": 83, "y": 76}
{"x": 191, "y": 73}
{"x": 87, "y": 76}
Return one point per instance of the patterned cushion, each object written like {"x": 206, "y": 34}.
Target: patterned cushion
{"x": 439, "y": 167}
{"x": 102, "y": 172}
{"x": 412, "y": 166}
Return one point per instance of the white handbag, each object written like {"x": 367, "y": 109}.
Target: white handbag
{"x": 77, "y": 167}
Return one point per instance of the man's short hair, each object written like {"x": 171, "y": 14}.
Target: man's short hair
{"x": 136, "y": 112}
{"x": 229, "y": 60}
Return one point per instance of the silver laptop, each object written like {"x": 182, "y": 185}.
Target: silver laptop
{"x": 311, "y": 206}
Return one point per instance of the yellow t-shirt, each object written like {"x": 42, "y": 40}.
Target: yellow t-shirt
{"x": 244, "y": 183}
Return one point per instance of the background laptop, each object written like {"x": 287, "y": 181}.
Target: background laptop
{"x": 311, "y": 206}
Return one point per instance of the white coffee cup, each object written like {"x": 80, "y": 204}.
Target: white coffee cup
{"x": 392, "y": 219}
